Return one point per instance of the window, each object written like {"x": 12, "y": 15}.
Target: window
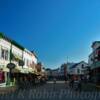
{"x": 4, "y": 54}
{"x": 78, "y": 71}
{"x": 82, "y": 65}
{"x": 27, "y": 62}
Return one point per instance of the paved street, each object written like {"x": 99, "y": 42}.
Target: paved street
{"x": 50, "y": 91}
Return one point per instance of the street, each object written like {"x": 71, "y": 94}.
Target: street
{"x": 50, "y": 91}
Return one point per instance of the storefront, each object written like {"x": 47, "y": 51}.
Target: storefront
{"x": 2, "y": 77}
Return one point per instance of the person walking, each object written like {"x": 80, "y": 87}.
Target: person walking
{"x": 54, "y": 82}
{"x": 80, "y": 85}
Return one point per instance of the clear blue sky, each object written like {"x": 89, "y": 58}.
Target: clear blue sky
{"x": 55, "y": 29}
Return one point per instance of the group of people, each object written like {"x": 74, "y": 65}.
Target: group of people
{"x": 27, "y": 82}
{"x": 75, "y": 84}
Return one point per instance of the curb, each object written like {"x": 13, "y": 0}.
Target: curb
{"x": 4, "y": 90}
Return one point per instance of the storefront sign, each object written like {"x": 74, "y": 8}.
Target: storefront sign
{"x": 11, "y": 66}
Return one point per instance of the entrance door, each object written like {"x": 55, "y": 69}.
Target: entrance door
{"x": 2, "y": 77}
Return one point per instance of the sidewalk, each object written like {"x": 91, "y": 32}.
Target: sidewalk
{"x": 56, "y": 82}
{"x": 6, "y": 89}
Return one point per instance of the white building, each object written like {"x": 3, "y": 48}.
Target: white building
{"x": 30, "y": 60}
{"x": 4, "y": 60}
{"x": 78, "y": 68}
{"x": 11, "y": 49}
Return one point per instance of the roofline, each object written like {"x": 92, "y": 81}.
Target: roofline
{"x": 94, "y": 43}
{"x": 77, "y": 64}
{"x": 3, "y": 36}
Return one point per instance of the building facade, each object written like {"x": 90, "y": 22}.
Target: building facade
{"x": 94, "y": 62}
{"x": 12, "y": 52}
{"x": 78, "y": 69}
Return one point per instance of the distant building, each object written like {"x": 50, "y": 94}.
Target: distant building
{"x": 55, "y": 72}
{"x": 78, "y": 69}
{"x": 51, "y": 73}
{"x": 63, "y": 70}
{"x": 69, "y": 65}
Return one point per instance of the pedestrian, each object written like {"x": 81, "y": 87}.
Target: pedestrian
{"x": 79, "y": 85}
{"x": 54, "y": 81}
{"x": 71, "y": 83}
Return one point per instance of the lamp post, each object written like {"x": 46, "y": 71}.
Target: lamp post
{"x": 10, "y": 65}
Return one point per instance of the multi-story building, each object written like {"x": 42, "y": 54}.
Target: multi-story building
{"x": 30, "y": 61}
{"x": 94, "y": 62}
{"x": 12, "y": 52}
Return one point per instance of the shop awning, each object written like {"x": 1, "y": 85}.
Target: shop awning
{"x": 17, "y": 57}
{"x": 24, "y": 70}
{"x": 5, "y": 69}
{"x": 31, "y": 70}
{"x": 15, "y": 70}
{"x": 38, "y": 73}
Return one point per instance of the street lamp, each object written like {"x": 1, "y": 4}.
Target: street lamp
{"x": 10, "y": 66}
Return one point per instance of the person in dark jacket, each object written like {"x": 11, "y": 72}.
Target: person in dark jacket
{"x": 80, "y": 85}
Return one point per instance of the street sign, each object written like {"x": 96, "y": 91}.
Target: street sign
{"x": 11, "y": 65}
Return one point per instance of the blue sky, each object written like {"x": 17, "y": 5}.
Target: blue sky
{"x": 55, "y": 29}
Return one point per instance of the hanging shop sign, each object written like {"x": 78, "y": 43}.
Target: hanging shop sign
{"x": 11, "y": 65}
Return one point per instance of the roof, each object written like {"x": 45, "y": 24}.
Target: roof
{"x": 95, "y": 43}
{"x": 73, "y": 66}
{"x": 34, "y": 53}
{"x": 2, "y": 35}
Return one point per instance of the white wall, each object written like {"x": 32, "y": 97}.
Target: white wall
{"x": 5, "y": 45}
{"x": 27, "y": 55}
{"x": 80, "y": 68}
{"x": 30, "y": 57}
{"x": 17, "y": 51}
